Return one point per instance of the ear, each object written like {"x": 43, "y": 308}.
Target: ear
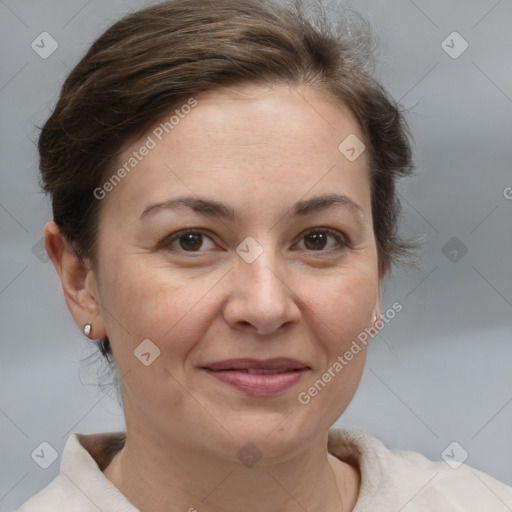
{"x": 78, "y": 281}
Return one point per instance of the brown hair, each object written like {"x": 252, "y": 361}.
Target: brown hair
{"x": 156, "y": 58}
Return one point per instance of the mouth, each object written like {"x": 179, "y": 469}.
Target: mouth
{"x": 258, "y": 377}
{"x": 275, "y": 365}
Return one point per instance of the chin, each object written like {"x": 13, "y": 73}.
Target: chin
{"x": 270, "y": 436}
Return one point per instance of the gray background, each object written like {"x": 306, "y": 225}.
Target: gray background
{"x": 438, "y": 373}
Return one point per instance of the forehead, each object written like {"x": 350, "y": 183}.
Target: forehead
{"x": 240, "y": 141}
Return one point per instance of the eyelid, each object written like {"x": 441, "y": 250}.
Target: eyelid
{"x": 167, "y": 240}
{"x": 340, "y": 238}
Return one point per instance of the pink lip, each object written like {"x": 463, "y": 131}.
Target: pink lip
{"x": 235, "y": 373}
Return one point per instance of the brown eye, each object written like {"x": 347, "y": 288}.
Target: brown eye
{"x": 319, "y": 240}
{"x": 315, "y": 241}
{"x": 191, "y": 241}
{"x": 188, "y": 241}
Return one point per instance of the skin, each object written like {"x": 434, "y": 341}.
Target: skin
{"x": 259, "y": 150}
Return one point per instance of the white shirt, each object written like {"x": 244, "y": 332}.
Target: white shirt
{"x": 391, "y": 480}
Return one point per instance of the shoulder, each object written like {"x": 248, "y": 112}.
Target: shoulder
{"x": 81, "y": 485}
{"x": 55, "y": 496}
{"x": 409, "y": 481}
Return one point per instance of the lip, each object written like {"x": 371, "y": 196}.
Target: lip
{"x": 276, "y": 363}
{"x": 235, "y": 373}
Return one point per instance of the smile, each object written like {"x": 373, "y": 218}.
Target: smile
{"x": 258, "y": 377}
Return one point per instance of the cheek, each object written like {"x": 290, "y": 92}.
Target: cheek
{"x": 343, "y": 312}
{"x": 146, "y": 301}
{"x": 345, "y": 304}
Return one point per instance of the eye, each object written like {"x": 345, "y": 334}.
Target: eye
{"x": 195, "y": 241}
{"x": 318, "y": 240}
{"x": 188, "y": 241}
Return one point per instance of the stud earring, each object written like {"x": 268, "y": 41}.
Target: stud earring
{"x": 87, "y": 329}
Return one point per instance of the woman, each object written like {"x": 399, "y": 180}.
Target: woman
{"x": 222, "y": 178}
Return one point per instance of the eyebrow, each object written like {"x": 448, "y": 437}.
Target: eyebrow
{"x": 211, "y": 208}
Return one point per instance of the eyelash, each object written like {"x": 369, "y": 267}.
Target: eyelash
{"x": 340, "y": 239}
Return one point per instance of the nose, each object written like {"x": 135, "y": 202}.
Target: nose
{"x": 261, "y": 299}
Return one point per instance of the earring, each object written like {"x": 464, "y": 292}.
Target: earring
{"x": 374, "y": 319}
{"x": 87, "y": 329}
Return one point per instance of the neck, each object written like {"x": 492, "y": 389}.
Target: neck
{"x": 155, "y": 478}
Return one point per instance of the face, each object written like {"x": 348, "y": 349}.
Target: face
{"x": 216, "y": 249}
